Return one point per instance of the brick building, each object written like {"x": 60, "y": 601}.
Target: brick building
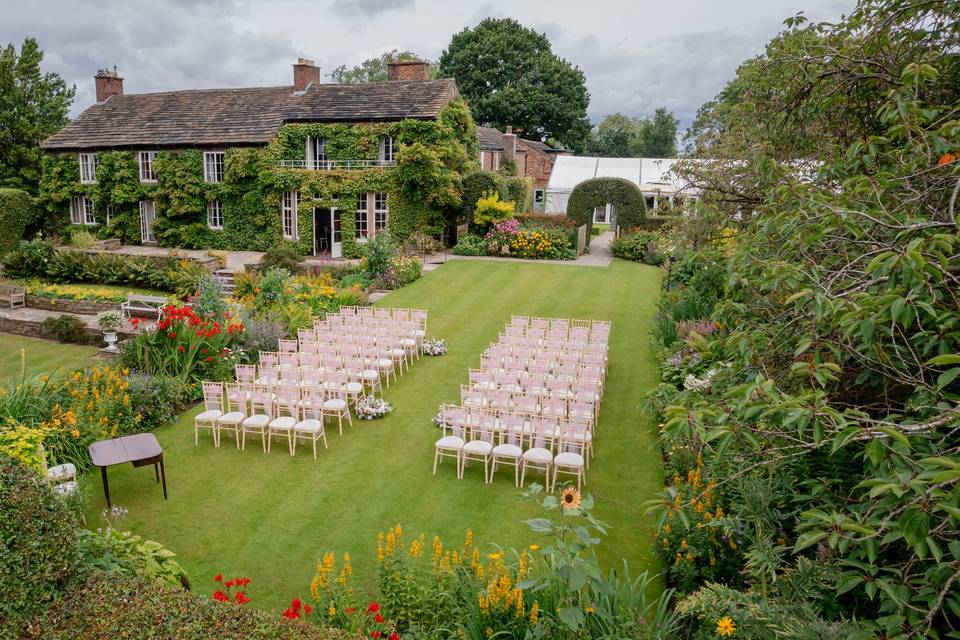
{"x": 531, "y": 157}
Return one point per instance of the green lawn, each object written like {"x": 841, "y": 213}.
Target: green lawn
{"x": 272, "y": 517}
{"x": 40, "y": 356}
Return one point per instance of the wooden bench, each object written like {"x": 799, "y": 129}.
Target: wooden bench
{"x": 13, "y": 295}
{"x": 149, "y": 305}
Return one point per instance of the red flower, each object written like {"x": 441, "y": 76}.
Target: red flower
{"x": 242, "y": 598}
{"x": 218, "y": 578}
{"x": 209, "y": 358}
{"x": 375, "y": 634}
{"x": 181, "y": 349}
{"x": 228, "y": 584}
{"x": 394, "y": 636}
{"x": 172, "y": 334}
{"x": 242, "y": 581}
{"x": 295, "y": 604}
{"x": 350, "y": 610}
{"x": 290, "y": 614}
{"x": 378, "y": 618}
{"x": 307, "y": 609}
{"x": 203, "y": 351}
{"x": 220, "y": 596}
{"x": 373, "y": 608}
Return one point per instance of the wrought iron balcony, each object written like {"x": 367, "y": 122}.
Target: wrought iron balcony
{"x": 327, "y": 165}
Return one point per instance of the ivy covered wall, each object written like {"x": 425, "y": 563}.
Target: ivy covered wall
{"x": 423, "y": 189}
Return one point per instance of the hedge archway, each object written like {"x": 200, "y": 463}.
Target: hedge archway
{"x": 625, "y": 196}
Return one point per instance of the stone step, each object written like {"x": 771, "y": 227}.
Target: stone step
{"x": 225, "y": 276}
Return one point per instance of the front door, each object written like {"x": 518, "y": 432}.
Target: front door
{"x": 147, "y": 215}
{"x": 321, "y": 230}
{"x": 336, "y": 246}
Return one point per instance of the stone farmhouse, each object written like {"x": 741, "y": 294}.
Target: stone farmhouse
{"x": 325, "y": 166}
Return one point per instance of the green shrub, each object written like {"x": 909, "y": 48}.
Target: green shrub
{"x": 470, "y": 245}
{"x": 18, "y": 211}
{"x": 115, "y": 606}
{"x": 623, "y": 194}
{"x": 474, "y": 186}
{"x": 491, "y": 209}
{"x": 38, "y": 546}
{"x": 519, "y": 190}
{"x": 282, "y": 256}
{"x": 67, "y": 328}
{"x": 378, "y": 254}
{"x": 81, "y": 238}
{"x": 28, "y": 259}
{"x": 356, "y": 279}
{"x": 639, "y": 247}
{"x": 158, "y": 399}
{"x": 404, "y": 270}
{"x": 532, "y": 220}
{"x": 128, "y": 554}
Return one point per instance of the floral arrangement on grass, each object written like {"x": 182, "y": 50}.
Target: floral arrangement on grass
{"x": 436, "y": 347}
{"x": 372, "y": 408}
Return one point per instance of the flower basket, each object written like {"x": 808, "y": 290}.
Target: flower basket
{"x": 434, "y": 347}
{"x": 372, "y": 408}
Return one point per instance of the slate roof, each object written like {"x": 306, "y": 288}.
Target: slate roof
{"x": 215, "y": 117}
{"x": 490, "y": 139}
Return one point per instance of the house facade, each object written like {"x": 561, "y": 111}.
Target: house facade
{"x": 244, "y": 169}
{"x": 530, "y": 158}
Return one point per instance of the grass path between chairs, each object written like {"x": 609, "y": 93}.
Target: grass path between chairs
{"x": 272, "y": 517}
{"x": 41, "y": 356}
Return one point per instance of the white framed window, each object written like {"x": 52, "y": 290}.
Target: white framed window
{"x": 316, "y": 153}
{"x": 380, "y": 211}
{"x": 496, "y": 161}
{"x": 109, "y": 214}
{"x": 213, "y": 164}
{"x": 88, "y": 167}
{"x": 145, "y": 161}
{"x": 360, "y": 219}
{"x": 148, "y": 214}
{"x": 288, "y": 215}
{"x": 214, "y": 214}
{"x": 81, "y": 211}
{"x": 386, "y": 149}
{"x": 483, "y": 160}
{"x": 538, "y": 196}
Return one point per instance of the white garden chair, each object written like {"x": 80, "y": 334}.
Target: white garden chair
{"x": 509, "y": 452}
{"x": 310, "y": 427}
{"x": 479, "y": 446}
{"x": 245, "y": 373}
{"x": 286, "y": 414}
{"x": 236, "y": 411}
{"x": 261, "y": 413}
{"x": 539, "y": 454}
{"x": 571, "y": 459}
{"x": 335, "y": 404}
{"x": 212, "y": 410}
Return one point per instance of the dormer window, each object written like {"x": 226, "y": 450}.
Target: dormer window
{"x": 145, "y": 160}
{"x": 88, "y": 168}
{"x": 386, "y": 149}
{"x": 213, "y": 163}
{"x": 316, "y": 153}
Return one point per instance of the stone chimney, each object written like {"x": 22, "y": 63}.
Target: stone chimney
{"x": 408, "y": 70}
{"x": 305, "y": 72}
{"x": 108, "y": 83}
{"x": 510, "y": 145}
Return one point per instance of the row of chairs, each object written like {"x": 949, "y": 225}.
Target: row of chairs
{"x": 290, "y": 412}
{"x": 534, "y": 404}
{"x": 553, "y": 446}
{"x": 533, "y": 323}
{"x": 365, "y": 365}
{"x": 352, "y": 378}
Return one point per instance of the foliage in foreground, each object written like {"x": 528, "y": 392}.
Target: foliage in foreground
{"x": 810, "y": 368}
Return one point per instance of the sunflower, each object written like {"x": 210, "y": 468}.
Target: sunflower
{"x": 570, "y": 498}
{"x": 725, "y": 627}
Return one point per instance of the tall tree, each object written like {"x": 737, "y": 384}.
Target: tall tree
{"x": 510, "y": 76}
{"x": 372, "y": 69}
{"x": 619, "y": 136}
{"x": 33, "y": 105}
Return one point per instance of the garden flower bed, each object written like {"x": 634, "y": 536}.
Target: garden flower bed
{"x": 529, "y": 237}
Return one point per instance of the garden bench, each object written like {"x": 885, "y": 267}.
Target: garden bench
{"x": 142, "y": 304}
{"x": 13, "y": 295}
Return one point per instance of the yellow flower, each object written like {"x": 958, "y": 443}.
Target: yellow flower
{"x": 535, "y": 613}
{"x": 332, "y": 611}
{"x": 589, "y": 610}
{"x": 725, "y": 627}
{"x": 75, "y": 433}
{"x": 534, "y": 547}
{"x": 570, "y": 498}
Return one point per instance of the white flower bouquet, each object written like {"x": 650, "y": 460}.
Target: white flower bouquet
{"x": 434, "y": 347}
{"x": 372, "y": 408}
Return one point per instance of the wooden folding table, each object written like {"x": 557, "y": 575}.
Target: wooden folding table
{"x": 140, "y": 449}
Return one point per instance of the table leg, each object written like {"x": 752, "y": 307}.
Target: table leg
{"x": 156, "y": 471}
{"x": 106, "y": 485}
{"x": 163, "y": 475}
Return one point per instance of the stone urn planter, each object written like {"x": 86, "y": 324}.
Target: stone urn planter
{"x": 110, "y": 322}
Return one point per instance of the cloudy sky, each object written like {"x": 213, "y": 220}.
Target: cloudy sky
{"x": 636, "y": 54}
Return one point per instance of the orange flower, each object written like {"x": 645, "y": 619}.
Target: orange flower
{"x": 946, "y": 159}
{"x": 570, "y": 498}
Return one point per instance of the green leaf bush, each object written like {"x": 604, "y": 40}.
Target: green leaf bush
{"x": 18, "y": 212}
{"x": 67, "y": 328}
{"x": 38, "y": 546}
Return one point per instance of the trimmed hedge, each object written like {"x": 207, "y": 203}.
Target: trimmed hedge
{"x": 546, "y": 220}
{"x": 38, "y": 546}
{"x": 622, "y": 194}
{"x": 519, "y": 190}
{"x": 18, "y": 211}
{"x": 110, "y": 605}
{"x": 475, "y": 185}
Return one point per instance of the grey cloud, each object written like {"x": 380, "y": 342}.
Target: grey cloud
{"x": 360, "y": 9}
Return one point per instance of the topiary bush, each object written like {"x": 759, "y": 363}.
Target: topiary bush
{"x": 18, "y": 211}
{"x": 38, "y": 546}
{"x": 67, "y": 328}
{"x": 622, "y": 194}
{"x": 470, "y": 245}
{"x": 282, "y": 256}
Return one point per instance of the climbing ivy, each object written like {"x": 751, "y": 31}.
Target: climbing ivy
{"x": 423, "y": 189}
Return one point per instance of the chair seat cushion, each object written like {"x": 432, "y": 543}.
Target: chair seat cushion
{"x": 234, "y": 417}
{"x": 410, "y": 342}
{"x": 283, "y": 422}
{"x": 539, "y": 456}
{"x": 335, "y": 404}
{"x": 507, "y": 451}
{"x": 208, "y": 415}
{"x": 569, "y": 459}
{"x": 450, "y": 442}
{"x": 257, "y": 421}
{"x": 369, "y": 374}
{"x": 309, "y": 426}
{"x": 419, "y": 333}
{"x": 397, "y": 353}
{"x": 384, "y": 362}
{"x": 481, "y": 447}
{"x": 354, "y": 387}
